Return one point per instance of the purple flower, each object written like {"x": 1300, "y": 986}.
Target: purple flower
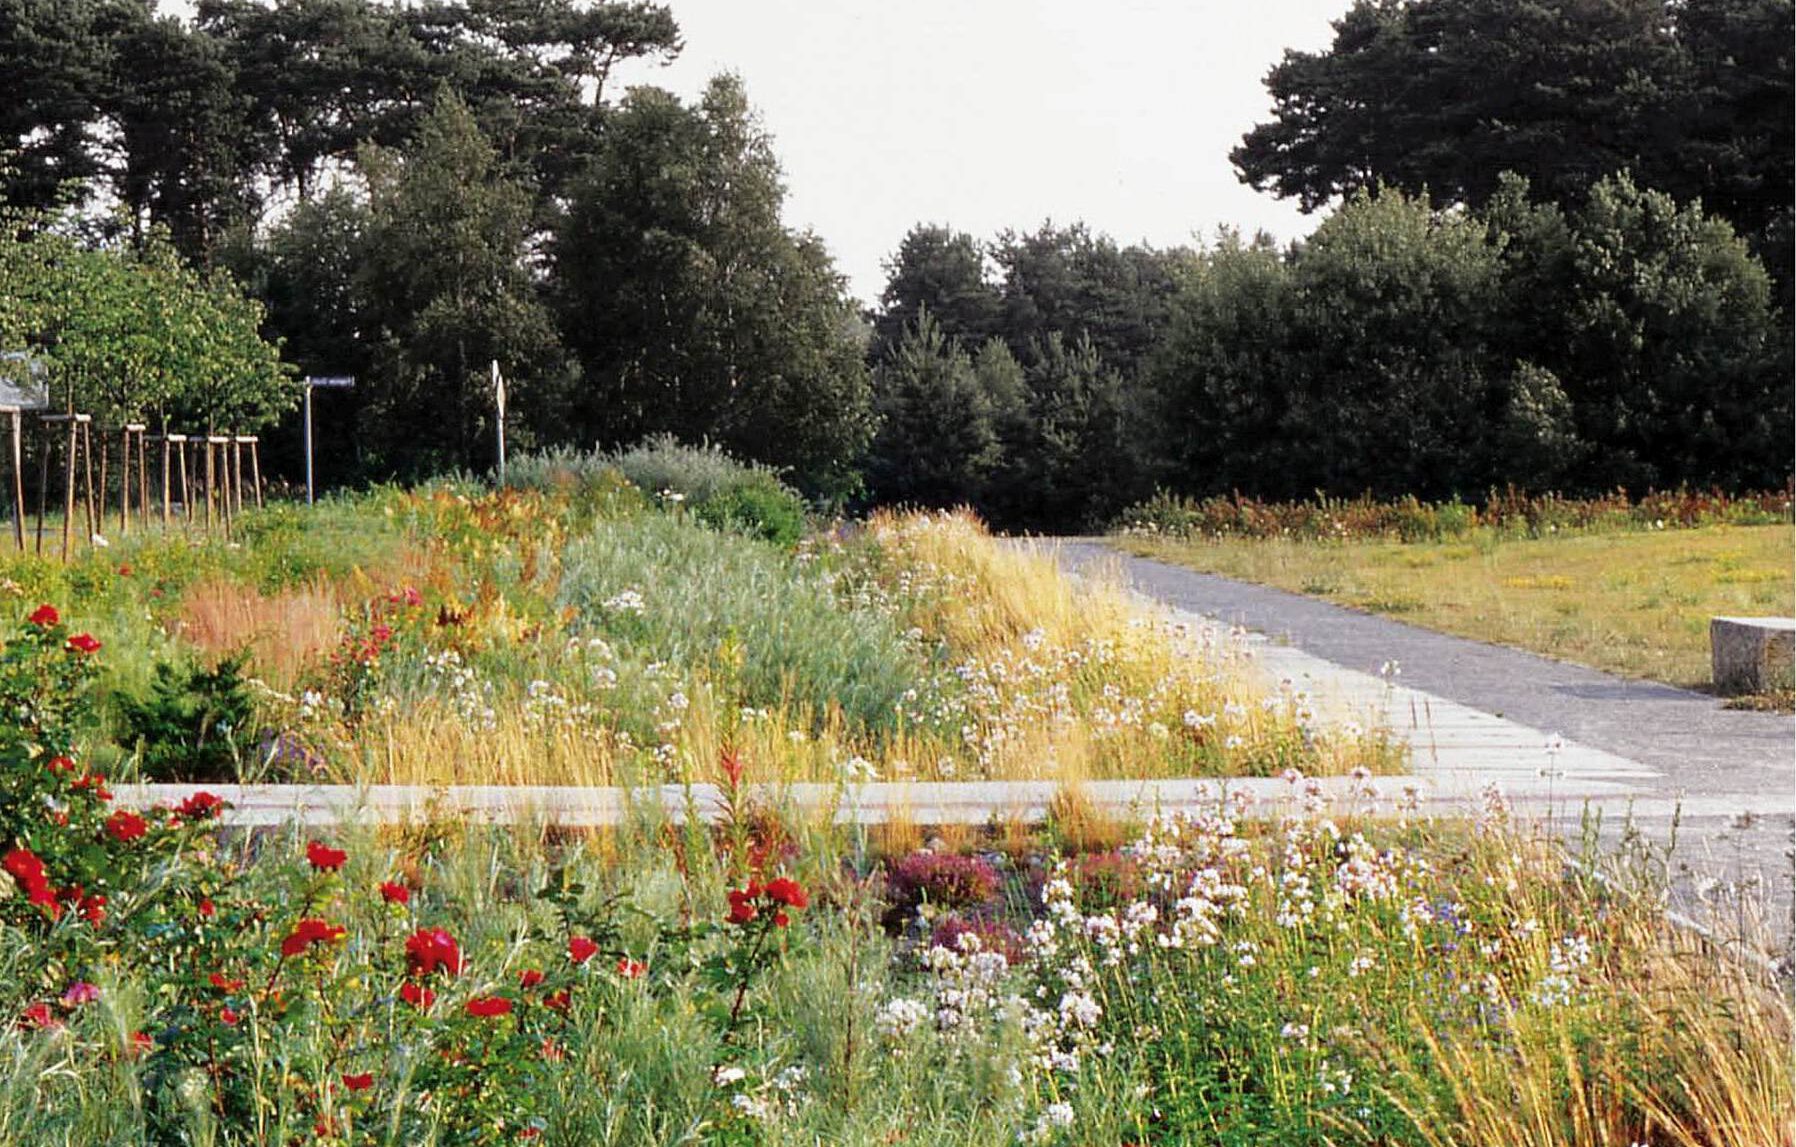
{"x": 80, "y": 992}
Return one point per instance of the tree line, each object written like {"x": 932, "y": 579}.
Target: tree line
{"x": 406, "y": 192}
{"x": 1626, "y": 341}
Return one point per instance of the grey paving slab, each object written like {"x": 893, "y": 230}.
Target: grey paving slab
{"x": 1721, "y": 782}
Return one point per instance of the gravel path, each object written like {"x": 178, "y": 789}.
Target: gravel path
{"x": 1730, "y": 775}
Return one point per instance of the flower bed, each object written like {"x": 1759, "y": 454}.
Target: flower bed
{"x": 467, "y": 636}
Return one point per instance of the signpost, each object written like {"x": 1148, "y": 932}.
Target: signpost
{"x": 329, "y": 381}
{"x": 499, "y": 400}
{"x": 22, "y": 387}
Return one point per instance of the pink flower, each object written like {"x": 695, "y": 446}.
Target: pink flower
{"x": 80, "y": 992}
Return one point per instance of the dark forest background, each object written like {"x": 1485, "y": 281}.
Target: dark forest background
{"x": 1556, "y": 255}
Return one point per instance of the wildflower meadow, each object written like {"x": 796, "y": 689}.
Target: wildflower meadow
{"x": 1289, "y": 970}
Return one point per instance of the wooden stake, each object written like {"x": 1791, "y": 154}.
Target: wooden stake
{"x": 218, "y": 442}
{"x": 94, "y": 524}
{"x": 43, "y": 493}
{"x": 124, "y": 482}
{"x": 143, "y": 476}
{"x": 180, "y": 441}
{"x": 18, "y": 480}
{"x": 68, "y": 493}
{"x": 255, "y": 467}
{"x": 165, "y": 507}
{"x": 237, "y": 475}
{"x": 209, "y": 485}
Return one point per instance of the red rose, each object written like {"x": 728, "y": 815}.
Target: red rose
{"x": 82, "y": 643}
{"x": 125, "y": 826}
{"x": 60, "y": 765}
{"x": 139, "y": 1044}
{"x": 360, "y": 1082}
{"x": 325, "y": 859}
{"x": 417, "y": 995}
{"x": 224, "y": 983}
{"x": 228, "y": 1017}
{"x": 558, "y": 1001}
{"x": 309, "y": 932}
{"x": 38, "y": 1016}
{"x": 45, "y": 616}
{"x": 94, "y": 782}
{"x": 529, "y": 978}
{"x": 580, "y": 949}
{"x": 780, "y": 919}
{"x": 631, "y": 969}
{"x": 395, "y": 893}
{"x": 43, "y": 896}
{"x": 207, "y": 908}
{"x": 24, "y": 865}
{"x": 788, "y": 892}
{"x": 487, "y": 1007}
{"x": 92, "y": 908}
{"x": 742, "y": 906}
{"x": 431, "y": 948}
{"x": 201, "y": 806}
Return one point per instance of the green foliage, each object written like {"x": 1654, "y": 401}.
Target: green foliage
{"x": 940, "y": 272}
{"x": 939, "y": 427}
{"x": 1404, "y": 350}
{"x": 693, "y": 311}
{"x": 195, "y": 724}
{"x": 1442, "y": 96}
{"x": 132, "y": 332}
{"x": 761, "y": 509}
{"x": 442, "y": 280}
{"x": 770, "y": 622}
{"x": 696, "y": 473}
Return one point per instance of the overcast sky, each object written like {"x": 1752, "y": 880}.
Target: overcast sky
{"x": 986, "y": 114}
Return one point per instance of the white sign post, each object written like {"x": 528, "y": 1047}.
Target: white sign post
{"x": 499, "y": 401}
{"x": 338, "y": 381}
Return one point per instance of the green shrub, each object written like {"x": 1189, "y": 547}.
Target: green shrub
{"x": 760, "y": 508}
{"x": 190, "y": 725}
{"x": 741, "y": 607}
{"x": 696, "y": 473}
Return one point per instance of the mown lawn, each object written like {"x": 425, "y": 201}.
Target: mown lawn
{"x": 1637, "y": 604}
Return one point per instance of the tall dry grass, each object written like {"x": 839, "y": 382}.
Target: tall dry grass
{"x": 284, "y": 634}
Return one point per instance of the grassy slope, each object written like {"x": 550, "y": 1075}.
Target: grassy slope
{"x": 1636, "y": 603}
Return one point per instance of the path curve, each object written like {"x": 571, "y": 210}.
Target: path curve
{"x": 1722, "y": 762}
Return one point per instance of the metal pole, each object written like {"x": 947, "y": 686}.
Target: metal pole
{"x": 309, "y": 492}
{"x": 499, "y": 401}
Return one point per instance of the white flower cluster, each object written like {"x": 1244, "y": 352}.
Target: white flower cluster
{"x": 625, "y": 601}
{"x": 470, "y": 696}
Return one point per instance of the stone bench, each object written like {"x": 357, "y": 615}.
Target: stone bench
{"x": 1752, "y": 654}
